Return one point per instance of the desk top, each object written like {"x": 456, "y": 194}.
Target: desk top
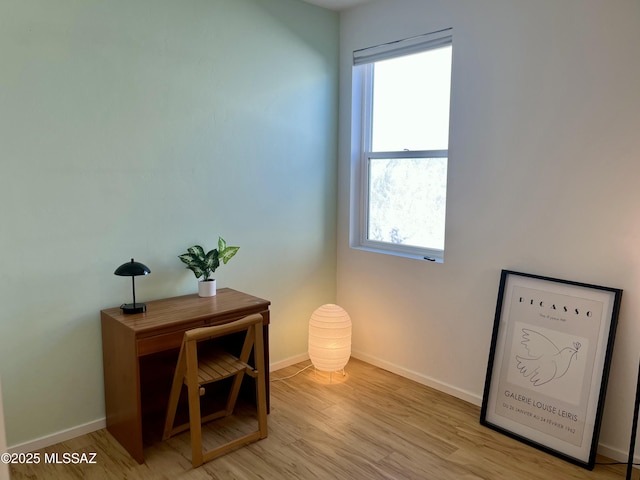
{"x": 167, "y": 312}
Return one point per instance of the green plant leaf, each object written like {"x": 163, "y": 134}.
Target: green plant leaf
{"x": 212, "y": 260}
{"x": 198, "y": 272}
{"x": 197, "y": 250}
{"x": 186, "y": 258}
{"x": 195, "y": 261}
{"x": 221, "y": 244}
{"x": 227, "y": 253}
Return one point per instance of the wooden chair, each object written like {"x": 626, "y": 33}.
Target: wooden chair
{"x": 195, "y": 371}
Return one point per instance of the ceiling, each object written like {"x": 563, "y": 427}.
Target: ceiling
{"x": 337, "y": 4}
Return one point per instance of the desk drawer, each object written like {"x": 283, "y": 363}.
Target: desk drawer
{"x": 165, "y": 341}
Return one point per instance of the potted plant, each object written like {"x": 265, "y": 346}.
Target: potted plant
{"x": 204, "y": 264}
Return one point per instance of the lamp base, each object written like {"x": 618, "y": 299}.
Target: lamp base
{"x": 133, "y": 308}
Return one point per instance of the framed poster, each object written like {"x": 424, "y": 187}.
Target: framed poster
{"x": 549, "y": 363}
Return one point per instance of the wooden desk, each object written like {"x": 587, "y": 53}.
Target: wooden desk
{"x": 141, "y": 349}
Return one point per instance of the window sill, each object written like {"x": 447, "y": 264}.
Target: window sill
{"x": 412, "y": 256}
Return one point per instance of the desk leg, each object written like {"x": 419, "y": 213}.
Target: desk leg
{"x": 122, "y": 387}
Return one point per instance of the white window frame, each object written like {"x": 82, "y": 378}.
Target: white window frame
{"x": 362, "y": 93}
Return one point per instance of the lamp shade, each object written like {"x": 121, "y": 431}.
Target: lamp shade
{"x": 329, "y": 338}
{"x": 132, "y": 269}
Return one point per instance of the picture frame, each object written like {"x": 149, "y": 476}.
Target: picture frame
{"x": 549, "y": 363}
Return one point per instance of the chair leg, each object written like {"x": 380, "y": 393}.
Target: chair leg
{"x": 233, "y": 393}
{"x": 174, "y": 396}
{"x": 249, "y": 341}
{"x": 261, "y": 388}
{"x": 194, "y": 405}
{"x": 195, "y": 427}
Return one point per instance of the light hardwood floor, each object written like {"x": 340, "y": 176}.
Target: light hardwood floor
{"x": 369, "y": 425}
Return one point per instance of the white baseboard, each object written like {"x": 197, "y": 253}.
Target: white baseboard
{"x": 420, "y": 378}
{"x": 615, "y": 454}
{"x": 287, "y": 362}
{"x": 58, "y": 437}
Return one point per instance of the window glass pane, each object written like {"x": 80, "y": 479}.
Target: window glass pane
{"x": 407, "y": 198}
{"x": 411, "y": 102}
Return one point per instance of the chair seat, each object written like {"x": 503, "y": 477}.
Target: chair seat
{"x": 218, "y": 365}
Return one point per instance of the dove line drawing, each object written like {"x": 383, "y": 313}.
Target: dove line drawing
{"x": 545, "y": 361}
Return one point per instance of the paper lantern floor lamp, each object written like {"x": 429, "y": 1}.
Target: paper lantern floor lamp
{"x": 330, "y": 338}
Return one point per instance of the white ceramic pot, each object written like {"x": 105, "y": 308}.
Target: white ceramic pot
{"x": 207, "y": 288}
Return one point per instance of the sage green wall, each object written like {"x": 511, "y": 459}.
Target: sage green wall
{"x": 136, "y": 128}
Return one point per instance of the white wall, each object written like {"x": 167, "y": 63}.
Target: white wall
{"x": 137, "y": 128}
{"x": 543, "y": 178}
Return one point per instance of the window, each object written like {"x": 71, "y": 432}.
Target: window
{"x": 401, "y": 100}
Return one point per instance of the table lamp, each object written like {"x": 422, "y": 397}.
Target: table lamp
{"x": 132, "y": 269}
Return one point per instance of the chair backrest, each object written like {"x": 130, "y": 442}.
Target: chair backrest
{"x": 214, "y": 331}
